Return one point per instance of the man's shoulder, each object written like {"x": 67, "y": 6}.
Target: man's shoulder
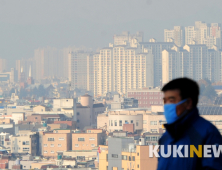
{"x": 204, "y": 126}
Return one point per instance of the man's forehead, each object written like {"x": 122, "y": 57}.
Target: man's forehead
{"x": 170, "y": 93}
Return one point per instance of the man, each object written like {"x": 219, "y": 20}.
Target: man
{"x": 185, "y": 127}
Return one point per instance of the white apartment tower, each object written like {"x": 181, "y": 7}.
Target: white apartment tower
{"x": 156, "y": 49}
{"x": 126, "y": 37}
{"x": 176, "y": 35}
{"x": 193, "y": 61}
{"x": 121, "y": 68}
{"x": 203, "y": 33}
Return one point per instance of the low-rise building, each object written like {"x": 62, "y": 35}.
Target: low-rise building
{"x": 56, "y": 142}
{"x": 5, "y": 140}
{"x": 25, "y": 142}
{"x": 87, "y": 112}
{"x": 146, "y": 97}
{"x": 122, "y": 153}
{"x": 48, "y": 118}
{"x": 120, "y": 102}
{"x": 89, "y": 140}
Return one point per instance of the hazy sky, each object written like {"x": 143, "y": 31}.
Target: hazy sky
{"x": 29, "y": 24}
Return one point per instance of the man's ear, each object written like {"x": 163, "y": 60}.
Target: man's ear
{"x": 189, "y": 104}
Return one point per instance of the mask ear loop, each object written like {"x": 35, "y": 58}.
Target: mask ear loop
{"x": 181, "y": 102}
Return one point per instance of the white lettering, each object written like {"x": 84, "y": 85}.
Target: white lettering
{"x": 177, "y": 150}
{"x": 153, "y": 151}
{"x": 207, "y": 151}
{"x": 167, "y": 155}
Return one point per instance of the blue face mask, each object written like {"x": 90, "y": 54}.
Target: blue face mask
{"x": 170, "y": 111}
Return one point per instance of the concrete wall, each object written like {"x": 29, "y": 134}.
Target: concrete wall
{"x": 115, "y": 147}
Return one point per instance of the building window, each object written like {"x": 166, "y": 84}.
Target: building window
{"x": 45, "y": 145}
{"x": 124, "y": 157}
{"x": 153, "y": 122}
{"x": 218, "y": 123}
{"x": 131, "y": 121}
{"x": 77, "y": 113}
{"x": 154, "y": 130}
{"x": 115, "y": 122}
{"x": 91, "y": 138}
{"x": 76, "y": 145}
{"x": 93, "y": 145}
{"x": 114, "y": 156}
{"x": 61, "y": 138}
{"x": 45, "y": 152}
{"x": 89, "y": 131}
{"x": 52, "y": 145}
{"x": 133, "y": 158}
{"x": 138, "y": 154}
{"x": 25, "y": 143}
{"x": 129, "y": 158}
{"x": 137, "y": 123}
{"x": 111, "y": 122}
{"x": 144, "y": 121}
{"x": 81, "y": 139}
{"x": 59, "y": 145}
{"x": 120, "y": 123}
{"x": 25, "y": 149}
{"x": 52, "y": 151}
{"x": 138, "y": 166}
{"x": 50, "y": 139}
{"x": 78, "y": 121}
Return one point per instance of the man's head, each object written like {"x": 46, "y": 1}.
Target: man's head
{"x": 180, "y": 89}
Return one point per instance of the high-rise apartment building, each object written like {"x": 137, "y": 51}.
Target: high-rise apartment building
{"x": 81, "y": 70}
{"x": 3, "y": 65}
{"x": 48, "y": 63}
{"x": 156, "y": 49}
{"x": 127, "y": 38}
{"x": 176, "y": 35}
{"x": 203, "y": 33}
{"x": 121, "y": 68}
{"x": 193, "y": 61}
{"x": 190, "y": 34}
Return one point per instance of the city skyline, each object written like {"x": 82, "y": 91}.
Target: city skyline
{"x": 68, "y": 25}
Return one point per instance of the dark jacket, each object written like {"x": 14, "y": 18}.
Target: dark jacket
{"x": 190, "y": 130}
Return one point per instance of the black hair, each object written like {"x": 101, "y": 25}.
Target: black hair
{"x": 188, "y": 88}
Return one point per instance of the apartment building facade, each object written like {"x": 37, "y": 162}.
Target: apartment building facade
{"x": 56, "y": 142}
{"x": 147, "y": 120}
{"x": 25, "y": 142}
{"x": 121, "y": 68}
{"x": 176, "y": 35}
{"x": 193, "y": 61}
{"x": 122, "y": 153}
{"x": 89, "y": 140}
{"x": 81, "y": 70}
{"x": 146, "y": 97}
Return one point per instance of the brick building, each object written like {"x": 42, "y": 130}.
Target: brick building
{"x": 146, "y": 97}
{"x": 48, "y": 118}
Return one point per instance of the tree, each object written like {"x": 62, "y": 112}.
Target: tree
{"x": 41, "y": 91}
{"x": 22, "y": 93}
{"x": 207, "y": 90}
